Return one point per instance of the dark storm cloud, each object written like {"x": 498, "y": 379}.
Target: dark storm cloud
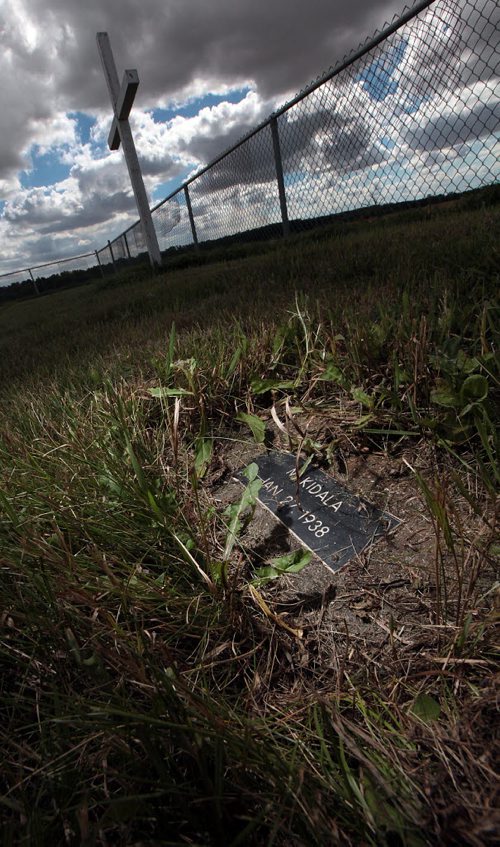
{"x": 49, "y": 60}
{"x": 281, "y": 44}
{"x": 454, "y": 129}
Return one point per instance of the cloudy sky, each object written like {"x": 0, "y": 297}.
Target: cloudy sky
{"x": 209, "y": 72}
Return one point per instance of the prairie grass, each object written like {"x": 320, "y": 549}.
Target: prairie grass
{"x": 148, "y": 694}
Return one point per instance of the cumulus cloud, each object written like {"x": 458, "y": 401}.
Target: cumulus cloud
{"x": 183, "y": 48}
{"x": 403, "y": 103}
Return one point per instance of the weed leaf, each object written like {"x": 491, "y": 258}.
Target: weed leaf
{"x": 426, "y": 708}
{"x": 236, "y": 511}
{"x": 261, "y": 386}
{"x": 443, "y": 395}
{"x": 203, "y": 455}
{"x": 257, "y": 426}
{"x": 162, "y": 392}
{"x": 474, "y": 389}
{"x": 289, "y": 563}
{"x": 362, "y": 397}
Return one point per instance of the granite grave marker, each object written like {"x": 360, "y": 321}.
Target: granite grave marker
{"x": 325, "y": 517}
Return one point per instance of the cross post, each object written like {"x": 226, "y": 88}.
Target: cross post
{"x": 122, "y": 98}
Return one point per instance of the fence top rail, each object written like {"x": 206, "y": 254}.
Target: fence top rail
{"x": 47, "y": 264}
{"x": 369, "y": 44}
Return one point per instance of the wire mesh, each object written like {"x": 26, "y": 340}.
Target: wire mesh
{"x": 136, "y": 241}
{"x": 58, "y": 270}
{"x": 171, "y": 222}
{"x": 119, "y": 248}
{"x": 104, "y": 256}
{"x": 413, "y": 113}
{"x": 64, "y": 266}
{"x": 399, "y": 124}
{"x": 417, "y": 115}
{"x": 238, "y": 193}
{"x": 14, "y": 278}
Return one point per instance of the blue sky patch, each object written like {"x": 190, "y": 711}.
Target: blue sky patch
{"x": 84, "y": 124}
{"x": 388, "y": 143}
{"x": 165, "y": 188}
{"x": 378, "y": 76}
{"x": 47, "y": 169}
{"x": 291, "y": 178}
{"x": 192, "y": 107}
{"x": 413, "y": 104}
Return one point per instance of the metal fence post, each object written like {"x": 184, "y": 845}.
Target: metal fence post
{"x": 126, "y": 244}
{"x": 190, "y": 213}
{"x": 279, "y": 176}
{"x": 35, "y": 286}
{"x": 99, "y": 263}
{"x": 112, "y": 257}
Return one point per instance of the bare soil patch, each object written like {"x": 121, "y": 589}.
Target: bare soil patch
{"x": 388, "y": 601}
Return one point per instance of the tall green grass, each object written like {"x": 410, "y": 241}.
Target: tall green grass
{"x": 147, "y": 698}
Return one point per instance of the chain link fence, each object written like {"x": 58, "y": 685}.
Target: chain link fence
{"x": 48, "y": 275}
{"x": 413, "y": 113}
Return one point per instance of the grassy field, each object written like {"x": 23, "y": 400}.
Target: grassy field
{"x": 155, "y": 689}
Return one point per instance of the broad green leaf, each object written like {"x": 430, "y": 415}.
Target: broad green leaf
{"x": 444, "y": 395}
{"x": 301, "y": 563}
{"x": 257, "y": 426}
{"x": 474, "y": 389}
{"x": 251, "y": 471}
{"x": 289, "y": 563}
{"x": 265, "y": 573}
{"x": 292, "y": 562}
{"x": 470, "y": 364}
{"x": 426, "y": 708}
{"x": 218, "y": 571}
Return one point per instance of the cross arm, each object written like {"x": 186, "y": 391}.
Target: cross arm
{"x": 130, "y": 83}
{"x": 123, "y": 106}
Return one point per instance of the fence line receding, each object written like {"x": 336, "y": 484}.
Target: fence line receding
{"x": 415, "y": 112}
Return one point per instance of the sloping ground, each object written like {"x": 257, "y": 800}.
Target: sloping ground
{"x": 170, "y": 674}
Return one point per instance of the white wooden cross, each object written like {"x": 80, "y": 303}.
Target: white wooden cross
{"x": 122, "y": 99}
